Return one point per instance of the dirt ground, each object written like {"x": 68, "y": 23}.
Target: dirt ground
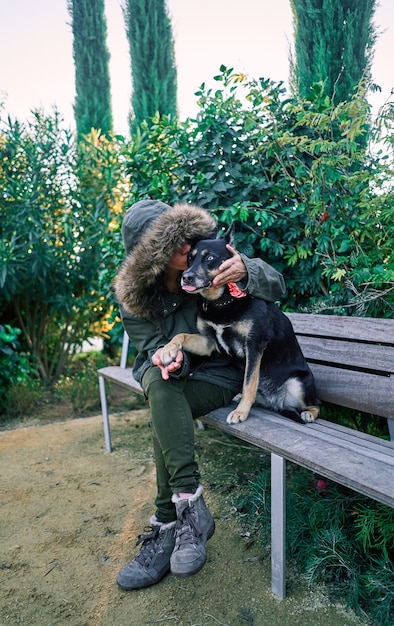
{"x": 70, "y": 514}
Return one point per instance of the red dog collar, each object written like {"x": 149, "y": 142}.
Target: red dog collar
{"x": 235, "y": 291}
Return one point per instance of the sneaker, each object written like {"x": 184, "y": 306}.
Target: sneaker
{"x": 194, "y": 526}
{"x": 153, "y": 560}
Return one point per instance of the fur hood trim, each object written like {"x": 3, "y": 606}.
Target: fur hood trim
{"x": 140, "y": 281}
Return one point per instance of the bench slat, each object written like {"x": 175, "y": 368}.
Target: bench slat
{"x": 121, "y": 376}
{"x": 343, "y": 460}
{"x": 376, "y": 358}
{"x": 344, "y": 432}
{"x": 359, "y": 328}
{"x": 366, "y": 392}
{"x": 348, "y": 440}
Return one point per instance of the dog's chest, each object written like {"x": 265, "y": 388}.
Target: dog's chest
{"x": 229, "y": 338}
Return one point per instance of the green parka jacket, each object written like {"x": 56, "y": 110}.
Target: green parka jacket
{"x": 152, "y": 232}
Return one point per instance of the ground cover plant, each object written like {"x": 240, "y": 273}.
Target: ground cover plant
{"x": 335, "y": 537}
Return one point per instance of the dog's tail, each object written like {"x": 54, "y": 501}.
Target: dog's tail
{"x": 293, "y": 415}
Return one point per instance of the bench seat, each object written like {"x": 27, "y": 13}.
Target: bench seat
{"x": 344, "y": 455}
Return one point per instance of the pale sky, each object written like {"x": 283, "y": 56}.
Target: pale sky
{"x": 252, "y": 36}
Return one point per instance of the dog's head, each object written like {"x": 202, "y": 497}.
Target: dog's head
{"x": 204, "y": 261}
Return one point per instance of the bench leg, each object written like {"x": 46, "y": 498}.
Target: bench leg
{"x": 390, "y": 424}
{"x": 278, "y": 525}
{"x": 104, "y": 410}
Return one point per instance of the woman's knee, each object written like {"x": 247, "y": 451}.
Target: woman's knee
{"x": 204, "y": 397}
{"x": 159, "y": 390}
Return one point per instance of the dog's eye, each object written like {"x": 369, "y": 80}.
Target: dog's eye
{"x": 210, "y": 257}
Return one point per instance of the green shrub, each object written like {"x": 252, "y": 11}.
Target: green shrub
{"x": 80, "y": 390}
{"x": 335, "y": 537}
{"x": 60, "y": 229}
{"x": 292, "y": 174}
{"x": 14, "y": 365}
{"x": 23, "y": 398}
{"x": 305, "y": 195}
{"x": 78, "y": 386}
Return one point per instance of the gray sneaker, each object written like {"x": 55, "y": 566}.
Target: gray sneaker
{"x": 194, "y": 526}
{"x": 153, "y": 560}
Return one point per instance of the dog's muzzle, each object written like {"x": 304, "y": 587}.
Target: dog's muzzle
{"x": 189, "y": 282}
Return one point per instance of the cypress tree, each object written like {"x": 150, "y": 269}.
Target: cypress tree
{"x": 333, "y": 44}
{"x": 92, "y": 108}
{"x": 152, "y": 56}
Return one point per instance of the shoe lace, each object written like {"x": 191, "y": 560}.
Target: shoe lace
{"x": 150, "y": 544}
{"x": 187, "y": 528}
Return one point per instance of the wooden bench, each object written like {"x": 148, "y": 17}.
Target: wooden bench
{"x": 353, "y": 363}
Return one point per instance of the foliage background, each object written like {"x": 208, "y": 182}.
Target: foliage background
{"x": 292, "y": 175}
{"x": 310, "y": 187}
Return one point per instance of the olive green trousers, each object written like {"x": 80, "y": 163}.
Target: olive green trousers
{"x": 174, "y": 404}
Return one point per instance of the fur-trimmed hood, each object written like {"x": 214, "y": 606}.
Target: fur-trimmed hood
{"x": 152, "y": 232}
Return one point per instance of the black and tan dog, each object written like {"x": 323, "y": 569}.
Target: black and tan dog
{"x": 276, "y": 373}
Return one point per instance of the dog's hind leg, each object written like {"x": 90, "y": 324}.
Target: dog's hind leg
{"x": 294, "y": 405}
{"x": 310, "y": 414}
{"x": 249, "y": 391}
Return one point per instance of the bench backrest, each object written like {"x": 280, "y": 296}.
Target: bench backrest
{"x": 352, "y": 359}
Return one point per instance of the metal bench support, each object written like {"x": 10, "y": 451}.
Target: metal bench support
{"x": 278, "y": 525}
{"x": 104, "y": 410}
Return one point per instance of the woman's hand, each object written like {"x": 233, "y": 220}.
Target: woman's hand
{"x": 231, "y": 271}
{"x": 166, "y": 370}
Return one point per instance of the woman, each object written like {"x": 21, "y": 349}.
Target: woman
{"x": 157, "y": 240}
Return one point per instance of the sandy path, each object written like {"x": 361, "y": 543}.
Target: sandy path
{"x": 70, "y": 513}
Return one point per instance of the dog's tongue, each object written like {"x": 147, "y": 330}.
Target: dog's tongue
{"x": 189, "y": 288}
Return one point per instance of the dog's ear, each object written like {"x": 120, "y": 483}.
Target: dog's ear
{"x": 229, "y": 235}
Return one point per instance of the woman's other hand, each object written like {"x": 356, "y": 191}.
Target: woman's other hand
{"x": 166, "y": 370}
{"x": 231, "y": 270}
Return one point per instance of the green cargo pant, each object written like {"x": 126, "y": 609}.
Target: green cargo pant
{"x": 173, "y": 405}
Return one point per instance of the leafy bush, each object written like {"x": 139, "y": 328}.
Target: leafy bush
{"x": 80, "y": 390}
{"x": 306, "y": 197}
{"x": 14, "y": 365}
{"x": 292, "y": 174}
{"x": 59, "y": 210}
{"x": 78, "y": 387}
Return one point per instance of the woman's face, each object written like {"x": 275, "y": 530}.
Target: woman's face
{"x": 179, "y": 260}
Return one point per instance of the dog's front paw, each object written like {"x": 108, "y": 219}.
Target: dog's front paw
{"x": 169, "y": 353}
{"x": 310, "y": 415}
{"x": 237, "y": 416}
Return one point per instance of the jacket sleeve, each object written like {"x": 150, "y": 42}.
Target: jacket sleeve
{"x": 144, "y": 335}
{"x": 263, "y": 281}
{"x": 147, "y": 337}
